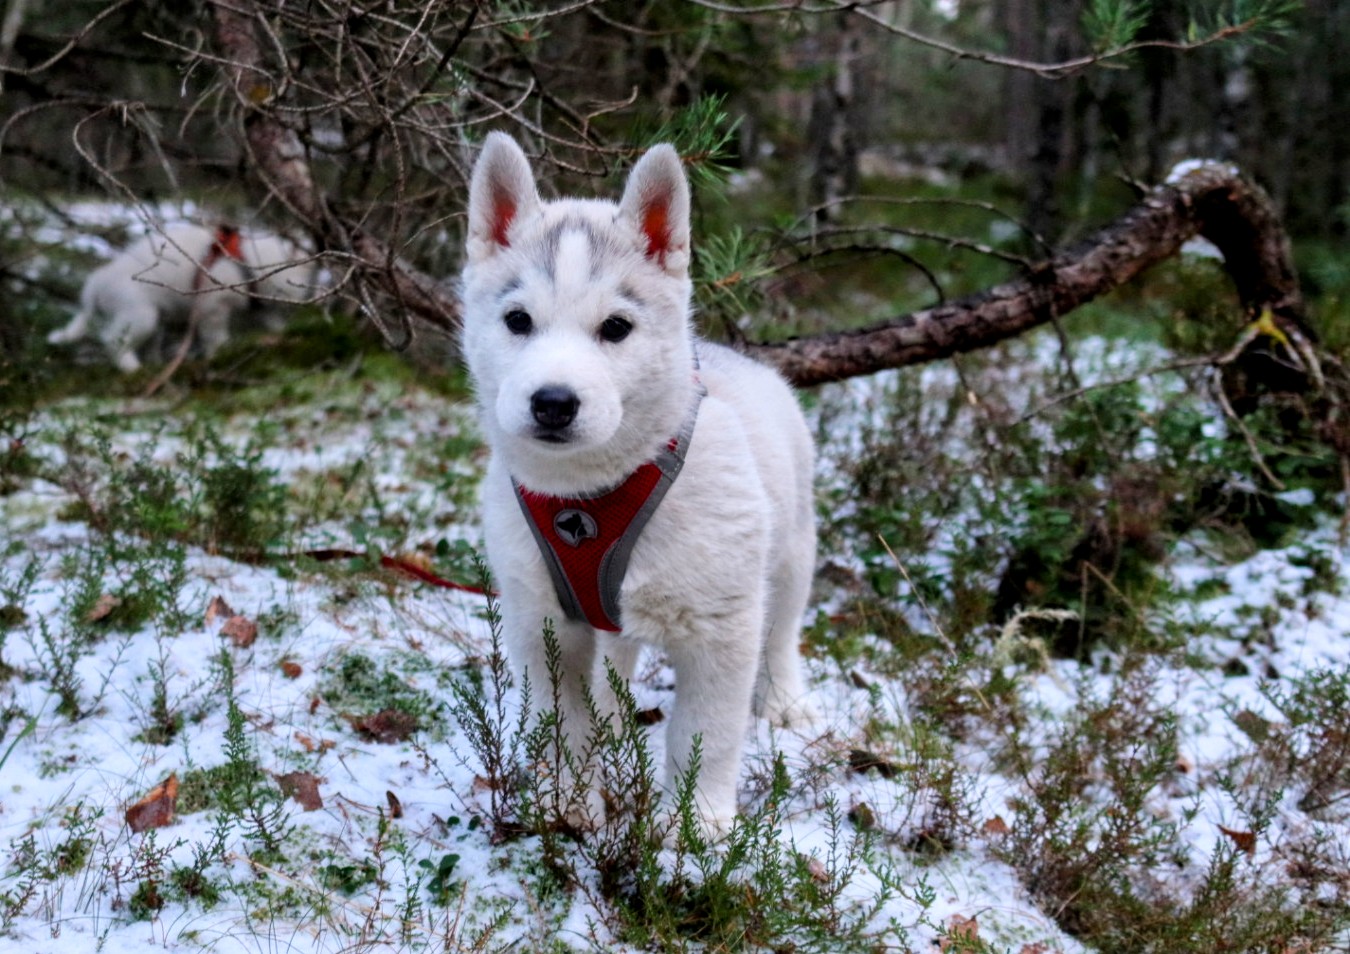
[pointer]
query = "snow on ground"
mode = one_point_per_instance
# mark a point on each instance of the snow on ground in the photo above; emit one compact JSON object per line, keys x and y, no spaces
{"x":62,"y":777}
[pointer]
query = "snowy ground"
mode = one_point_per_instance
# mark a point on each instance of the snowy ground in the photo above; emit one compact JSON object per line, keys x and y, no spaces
{"x":86,"y":773}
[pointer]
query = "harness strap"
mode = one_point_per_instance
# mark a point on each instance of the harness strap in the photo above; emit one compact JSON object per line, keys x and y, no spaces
{"x":227,"y":242}
{"x":586,"y":541}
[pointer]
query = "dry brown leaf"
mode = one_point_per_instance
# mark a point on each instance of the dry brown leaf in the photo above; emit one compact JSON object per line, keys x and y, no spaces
{"x":1039,"y":947}
{"x":303,"y":787}
{"x":863,"y":761}
{"x":651,"y":716}
{"x":388,"y":725}
{"x":960,"y":931}
{"x":1253,"y":726}
{"x":217,"y":609}
{"x":395,"y":806}
{"x":102,"y":608}
{"x":418,"y":560}
{"x":996,"y":826}
{"x":241,"y":631}
{"x":309,"y":745}
{"x":1245,"y":840}
{"x":291,"y":669}
{"x":156,"y":809}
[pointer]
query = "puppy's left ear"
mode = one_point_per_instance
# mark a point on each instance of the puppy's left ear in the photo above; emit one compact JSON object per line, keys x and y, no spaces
{"x":502,"y":195}
{"x":656,"y":203}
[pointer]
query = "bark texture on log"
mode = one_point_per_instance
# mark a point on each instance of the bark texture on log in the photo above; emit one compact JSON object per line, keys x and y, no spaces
{"x":1212,"y":200}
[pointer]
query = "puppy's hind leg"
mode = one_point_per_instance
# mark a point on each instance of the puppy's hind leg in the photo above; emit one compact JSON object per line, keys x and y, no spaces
{"x":75,"y":330}
{"x":126,"y":332}
{"x":780,"y":693}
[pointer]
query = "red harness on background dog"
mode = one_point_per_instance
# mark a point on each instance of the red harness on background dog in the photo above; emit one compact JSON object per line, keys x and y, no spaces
{"x":586,"y":541}
{"x":226,"y":243}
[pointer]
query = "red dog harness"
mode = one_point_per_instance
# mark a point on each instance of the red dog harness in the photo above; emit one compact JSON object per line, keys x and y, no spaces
{"x":586,"y":541}
{"x":225,"y":243}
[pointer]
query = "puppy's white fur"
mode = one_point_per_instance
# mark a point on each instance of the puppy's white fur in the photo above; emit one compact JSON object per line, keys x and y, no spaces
{"x":720,"y":577}
{"x":157,"y":281}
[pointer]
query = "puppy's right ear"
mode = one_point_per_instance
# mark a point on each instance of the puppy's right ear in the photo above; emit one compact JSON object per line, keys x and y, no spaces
{"x":501,"y":195}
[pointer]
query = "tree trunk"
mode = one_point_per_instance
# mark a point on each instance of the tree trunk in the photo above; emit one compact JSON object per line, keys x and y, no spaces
{"x":1019,"y":21}
{"x":1038,"y":109}
{"x":9,"y":32}
{"x":833,"y":128}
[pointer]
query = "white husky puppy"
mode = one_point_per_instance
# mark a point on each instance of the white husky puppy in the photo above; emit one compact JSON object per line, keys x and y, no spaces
{"x":591,"y":389}
{"x":162,"y":278}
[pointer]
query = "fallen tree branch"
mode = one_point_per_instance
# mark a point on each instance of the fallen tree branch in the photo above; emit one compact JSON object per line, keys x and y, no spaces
{"x":1211,"y":200}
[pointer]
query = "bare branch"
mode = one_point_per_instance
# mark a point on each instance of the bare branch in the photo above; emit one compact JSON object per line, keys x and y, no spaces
{"x":1054,"y":70}
{"x":279,"y":158}
{"x":386,"y":69}
{"x":69,"y":45}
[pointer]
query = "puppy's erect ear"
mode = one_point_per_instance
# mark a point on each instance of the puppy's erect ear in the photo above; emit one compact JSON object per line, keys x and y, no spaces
{"x":656,"y":203}
{"x":501,"y":194}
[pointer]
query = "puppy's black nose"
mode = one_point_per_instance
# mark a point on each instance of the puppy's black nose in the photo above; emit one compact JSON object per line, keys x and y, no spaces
{"x":554,"y":407}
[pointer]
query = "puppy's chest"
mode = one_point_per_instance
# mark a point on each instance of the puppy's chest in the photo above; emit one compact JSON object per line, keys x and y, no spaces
{"x":690,"y":563}
{"x":677,"y":598}
{"x":683,"y":560}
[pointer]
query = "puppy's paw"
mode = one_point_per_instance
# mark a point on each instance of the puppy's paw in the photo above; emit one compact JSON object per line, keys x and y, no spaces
{"x":586,"y":813}
{"x":709,"y":829}
{"x":789,"y":710}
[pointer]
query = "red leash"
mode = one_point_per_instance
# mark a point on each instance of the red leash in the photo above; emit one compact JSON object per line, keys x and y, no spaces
{"x":403,"y":566}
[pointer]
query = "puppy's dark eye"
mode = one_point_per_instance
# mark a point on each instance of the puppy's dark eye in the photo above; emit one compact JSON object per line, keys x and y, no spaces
{"x":518,"y":322}
{"x":615,"y":329}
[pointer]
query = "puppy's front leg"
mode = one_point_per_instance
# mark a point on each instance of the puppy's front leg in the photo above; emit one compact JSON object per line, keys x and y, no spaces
{"x":560,"y":688}
{"x":214,"y":310}
{"x":715,"y":672}
{"x":621,"y":655}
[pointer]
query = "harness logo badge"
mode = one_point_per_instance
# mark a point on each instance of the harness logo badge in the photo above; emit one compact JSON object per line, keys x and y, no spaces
{"x":575,"y":527}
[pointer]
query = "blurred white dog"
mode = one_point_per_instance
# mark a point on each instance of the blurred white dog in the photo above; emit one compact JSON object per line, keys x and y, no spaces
{"x":185,"y":276}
